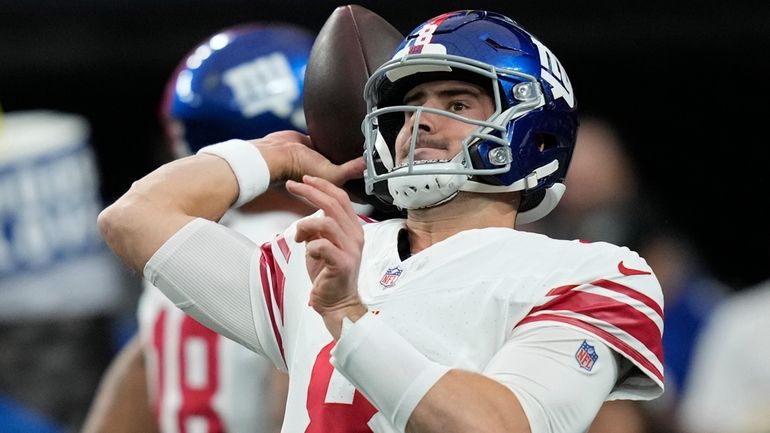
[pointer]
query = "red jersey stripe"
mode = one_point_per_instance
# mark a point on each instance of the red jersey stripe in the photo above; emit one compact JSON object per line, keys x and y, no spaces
{"x":631,"y":293}
{"x":561,"y":290}
{"x":283,"y":246}
{"x":612,"y":340}
{"x":265,"y":268}
{"x":158,"y":338}
{"x":366,"y":219}
{"x":618,"y":314}
{"x":279,"y":282}
{"x":276,"y":276}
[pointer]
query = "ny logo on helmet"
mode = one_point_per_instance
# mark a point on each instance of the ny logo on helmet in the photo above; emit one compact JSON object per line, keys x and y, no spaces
{"x":555,"y":75}
{"x":265,"y":84}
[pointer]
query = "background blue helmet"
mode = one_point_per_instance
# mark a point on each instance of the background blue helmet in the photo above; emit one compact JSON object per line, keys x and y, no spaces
{"x":526,"y":145}
{"x":243,"y":82}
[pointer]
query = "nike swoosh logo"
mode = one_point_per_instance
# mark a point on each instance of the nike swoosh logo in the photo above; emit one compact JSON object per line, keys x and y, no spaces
{"x":630,"y":271}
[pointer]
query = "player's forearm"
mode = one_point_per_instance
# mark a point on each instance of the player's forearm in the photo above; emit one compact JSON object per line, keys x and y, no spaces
{"x":462,"y":401}
{"x":121,"y":404}
{"x":204,"y":185}
{"x":426,"y":396}
{"x":159,"y":204}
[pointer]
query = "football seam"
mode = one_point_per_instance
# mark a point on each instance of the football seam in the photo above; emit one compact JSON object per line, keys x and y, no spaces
{"x":358,"y":38}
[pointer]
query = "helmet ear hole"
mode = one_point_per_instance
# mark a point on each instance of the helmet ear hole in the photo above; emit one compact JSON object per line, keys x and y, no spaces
{"x":525,"y":144}
{"x":545,"y":142}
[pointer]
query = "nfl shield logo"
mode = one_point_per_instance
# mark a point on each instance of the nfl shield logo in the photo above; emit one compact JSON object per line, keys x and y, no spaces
{"x":390,"y":277}
{"x":586,"y":356}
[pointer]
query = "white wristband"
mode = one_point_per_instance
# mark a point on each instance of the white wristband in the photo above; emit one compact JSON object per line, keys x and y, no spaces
{"x":391,"y":373}
{"x":247,"y":164}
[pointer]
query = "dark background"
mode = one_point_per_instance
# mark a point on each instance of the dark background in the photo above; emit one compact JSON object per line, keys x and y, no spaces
{"x":686,"y":84}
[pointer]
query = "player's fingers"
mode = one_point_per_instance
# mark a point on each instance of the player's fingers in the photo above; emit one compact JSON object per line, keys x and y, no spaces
{"x":310,"y":229}
{"x":327,"y":187}
{"x":325,"y":251}
{"x":334,"y":191}
{"x":353,"y":169}
{"x":328,"y":203}
{"x":328,"y":228}
{"x":336,"y":205}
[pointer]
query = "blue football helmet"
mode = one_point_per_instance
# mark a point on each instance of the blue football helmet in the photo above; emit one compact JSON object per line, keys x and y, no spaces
{"x":243,"y":82}
{"x":526,"y":145}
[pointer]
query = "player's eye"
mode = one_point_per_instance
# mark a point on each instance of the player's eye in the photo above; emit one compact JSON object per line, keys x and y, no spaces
{"x":458,"y":106}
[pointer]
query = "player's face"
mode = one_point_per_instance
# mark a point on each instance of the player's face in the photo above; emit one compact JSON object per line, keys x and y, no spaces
{"x":440,"y":137}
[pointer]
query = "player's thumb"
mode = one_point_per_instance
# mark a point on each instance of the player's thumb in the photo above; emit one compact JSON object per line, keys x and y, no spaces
{"x":353,"y":169}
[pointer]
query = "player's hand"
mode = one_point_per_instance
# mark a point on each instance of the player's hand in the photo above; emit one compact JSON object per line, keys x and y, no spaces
{"x":290,"y":155}
{"x":333,"y":243}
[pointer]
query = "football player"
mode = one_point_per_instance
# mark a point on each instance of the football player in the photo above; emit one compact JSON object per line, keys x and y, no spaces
{"x":449,"y":320}
{"x":244,"y":81}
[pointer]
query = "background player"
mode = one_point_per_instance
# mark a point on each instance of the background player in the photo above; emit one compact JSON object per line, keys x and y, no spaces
{"x":730,"y":363}
{"x":488,"y":328}
{"x":245,"y":81}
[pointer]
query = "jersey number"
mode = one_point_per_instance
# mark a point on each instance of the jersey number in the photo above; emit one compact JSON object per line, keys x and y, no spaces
{"x":198,"y":380}
{"x":334,"y":405}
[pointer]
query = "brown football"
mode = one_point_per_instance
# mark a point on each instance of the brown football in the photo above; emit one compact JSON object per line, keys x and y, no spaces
{"x":351,"y":45}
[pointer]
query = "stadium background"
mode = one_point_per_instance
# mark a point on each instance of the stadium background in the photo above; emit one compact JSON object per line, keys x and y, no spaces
{"x":684,"y":82}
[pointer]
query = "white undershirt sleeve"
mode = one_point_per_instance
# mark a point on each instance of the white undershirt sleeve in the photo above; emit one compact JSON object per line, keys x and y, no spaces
{"x":561,"y":376}
{"x":205,"y":270}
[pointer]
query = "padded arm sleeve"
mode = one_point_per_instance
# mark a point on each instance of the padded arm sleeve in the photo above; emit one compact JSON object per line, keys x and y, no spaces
{"x":206,"y":270}
{"x":561,"y":376}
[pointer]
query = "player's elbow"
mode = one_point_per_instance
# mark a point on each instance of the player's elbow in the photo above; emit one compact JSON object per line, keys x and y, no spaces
{"x":120,"y":224}
{"x":109,"y":223}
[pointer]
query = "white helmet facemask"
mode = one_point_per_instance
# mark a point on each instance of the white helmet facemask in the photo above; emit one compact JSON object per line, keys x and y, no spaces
{"x":416,"y":184}
{"x":525,"y":145}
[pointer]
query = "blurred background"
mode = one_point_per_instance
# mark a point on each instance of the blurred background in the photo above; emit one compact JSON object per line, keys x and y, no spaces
{"x":685,"y":82}
{"x":681,"y":86}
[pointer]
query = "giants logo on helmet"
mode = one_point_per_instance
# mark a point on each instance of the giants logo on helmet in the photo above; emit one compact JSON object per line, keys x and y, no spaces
{"x":264,"y":84}
{"x":555,"y":75}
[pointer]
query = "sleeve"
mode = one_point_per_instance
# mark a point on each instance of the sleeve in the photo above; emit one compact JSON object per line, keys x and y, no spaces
{"x":224,"y":281}
{"x":622,"y":308}
{"x":560,"y":376}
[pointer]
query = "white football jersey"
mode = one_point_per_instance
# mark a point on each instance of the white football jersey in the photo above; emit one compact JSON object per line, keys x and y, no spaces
{"x":200,"y":381}
{"x":457,"y":302}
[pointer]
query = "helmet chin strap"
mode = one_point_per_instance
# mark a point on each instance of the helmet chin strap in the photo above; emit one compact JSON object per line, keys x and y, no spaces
{"x":423,"y":188}
{"x":549,"y":202}
{"x":550,"y":199}
{"x":530,"y":181}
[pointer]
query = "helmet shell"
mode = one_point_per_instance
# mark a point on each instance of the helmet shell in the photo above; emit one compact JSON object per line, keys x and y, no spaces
{"x":243,"y":82}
